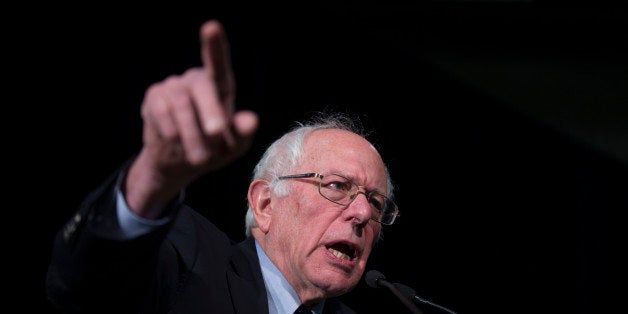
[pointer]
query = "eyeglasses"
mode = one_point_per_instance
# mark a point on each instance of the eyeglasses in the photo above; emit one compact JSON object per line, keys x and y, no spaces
{"x":342,"y":191}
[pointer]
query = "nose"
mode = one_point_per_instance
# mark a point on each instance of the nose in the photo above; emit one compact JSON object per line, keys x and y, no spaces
{"x":359,"y":208}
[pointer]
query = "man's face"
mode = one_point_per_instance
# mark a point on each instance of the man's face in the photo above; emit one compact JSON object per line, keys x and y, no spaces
{"x":320,"y":246}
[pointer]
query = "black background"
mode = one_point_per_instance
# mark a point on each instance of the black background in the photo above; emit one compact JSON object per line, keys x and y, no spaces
{"x":503,"y":125}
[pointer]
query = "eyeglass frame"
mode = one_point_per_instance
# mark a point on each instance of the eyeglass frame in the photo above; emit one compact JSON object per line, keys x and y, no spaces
{"x":396,"y":213}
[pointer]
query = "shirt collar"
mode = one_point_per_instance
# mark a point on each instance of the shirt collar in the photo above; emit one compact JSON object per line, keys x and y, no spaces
{"x":282,"y":298}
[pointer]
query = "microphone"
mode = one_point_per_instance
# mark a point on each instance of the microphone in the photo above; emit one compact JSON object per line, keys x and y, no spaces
{"x":375,"y":279}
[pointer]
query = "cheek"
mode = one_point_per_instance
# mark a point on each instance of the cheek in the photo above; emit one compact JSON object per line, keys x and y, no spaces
{"x":317,"y":215}
{"x":304,"y":216}
{"x":293,"y":215}
{"x":305,"y":207}
{"x":309,"y":218}
{"x":375,"y":229}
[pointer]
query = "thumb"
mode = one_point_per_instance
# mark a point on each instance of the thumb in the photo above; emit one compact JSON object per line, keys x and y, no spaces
{"x":245,"y":125}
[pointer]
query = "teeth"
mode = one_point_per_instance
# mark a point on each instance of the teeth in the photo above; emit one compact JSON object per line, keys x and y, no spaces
{"x":339,"y":254}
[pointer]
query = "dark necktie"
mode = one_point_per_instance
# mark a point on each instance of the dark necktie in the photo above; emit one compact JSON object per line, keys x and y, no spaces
{"x":303,"y":310}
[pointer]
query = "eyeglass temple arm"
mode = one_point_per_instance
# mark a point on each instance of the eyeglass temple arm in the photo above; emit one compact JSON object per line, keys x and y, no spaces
{"x":302,"y":175}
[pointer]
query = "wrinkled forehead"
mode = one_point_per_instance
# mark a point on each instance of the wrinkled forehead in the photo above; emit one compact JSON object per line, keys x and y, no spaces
{"x":346,"y":153}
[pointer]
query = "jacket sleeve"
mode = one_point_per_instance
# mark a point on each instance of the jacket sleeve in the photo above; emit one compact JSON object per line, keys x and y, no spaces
{"x":93,"y":270}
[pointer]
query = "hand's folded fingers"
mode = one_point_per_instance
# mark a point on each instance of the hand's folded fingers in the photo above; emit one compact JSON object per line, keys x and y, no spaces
{"x":159,"y":124}
{"x":172,"y":126}
{"x":192,"y":139}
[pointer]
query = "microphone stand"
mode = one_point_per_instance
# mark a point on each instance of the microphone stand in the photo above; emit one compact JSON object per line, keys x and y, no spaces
{"x":409,"y":293}
{"x":401,"y":297}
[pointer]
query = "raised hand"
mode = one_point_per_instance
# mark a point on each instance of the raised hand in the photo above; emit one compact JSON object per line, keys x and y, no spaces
{"x":190,"y":127}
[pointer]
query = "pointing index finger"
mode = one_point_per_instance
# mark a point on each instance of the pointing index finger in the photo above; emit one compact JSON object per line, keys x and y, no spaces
{"x":216,"y":61}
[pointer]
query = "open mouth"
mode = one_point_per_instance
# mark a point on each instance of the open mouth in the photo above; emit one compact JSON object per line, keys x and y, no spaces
{"x":344,"y":251}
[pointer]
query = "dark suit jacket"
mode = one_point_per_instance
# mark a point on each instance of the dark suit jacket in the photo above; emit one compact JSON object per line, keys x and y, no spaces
{"x":188,"y":266}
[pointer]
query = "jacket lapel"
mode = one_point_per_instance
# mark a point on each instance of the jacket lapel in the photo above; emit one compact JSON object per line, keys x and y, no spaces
{"x":245,"y":280}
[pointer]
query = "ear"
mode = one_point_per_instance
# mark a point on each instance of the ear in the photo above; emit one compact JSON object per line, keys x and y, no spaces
{"x":259,"y":200}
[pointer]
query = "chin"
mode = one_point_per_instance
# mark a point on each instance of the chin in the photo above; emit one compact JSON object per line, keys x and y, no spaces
{"x":335,"y":284}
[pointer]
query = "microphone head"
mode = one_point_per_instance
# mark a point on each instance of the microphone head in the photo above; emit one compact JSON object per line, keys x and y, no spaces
{"x":372,"y":277}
